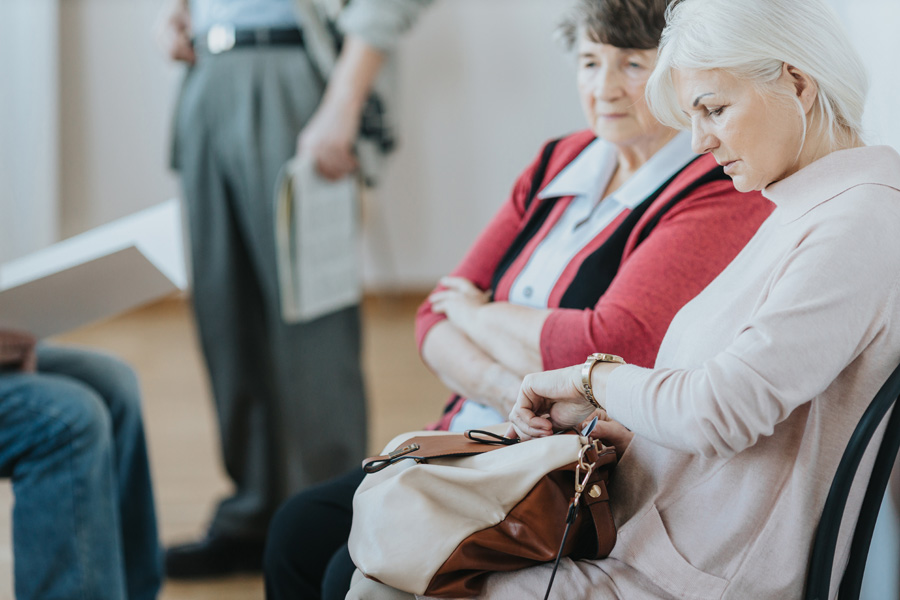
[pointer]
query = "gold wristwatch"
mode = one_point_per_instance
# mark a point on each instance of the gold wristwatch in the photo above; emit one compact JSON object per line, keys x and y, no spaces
{"x":592,"y":360}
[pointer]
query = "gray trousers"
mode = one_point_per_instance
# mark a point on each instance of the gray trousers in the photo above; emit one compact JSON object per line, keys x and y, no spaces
{"x":290,"y":398}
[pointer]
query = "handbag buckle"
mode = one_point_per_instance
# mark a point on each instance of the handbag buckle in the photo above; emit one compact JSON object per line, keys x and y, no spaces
{"x":588,"y":468}
{"x":220,"y":38}
{"x":581,"y":482}
{"x":403,"y":451}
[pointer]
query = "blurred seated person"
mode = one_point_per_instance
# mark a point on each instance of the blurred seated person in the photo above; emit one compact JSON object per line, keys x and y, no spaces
{"x":604,"y":238}
{"x":72,"y":443}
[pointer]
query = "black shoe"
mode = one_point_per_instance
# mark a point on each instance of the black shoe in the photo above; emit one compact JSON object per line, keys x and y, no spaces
{"x":214,"y":556}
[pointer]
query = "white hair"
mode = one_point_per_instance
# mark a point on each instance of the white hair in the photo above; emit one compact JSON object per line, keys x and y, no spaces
{"x":753,"y":39}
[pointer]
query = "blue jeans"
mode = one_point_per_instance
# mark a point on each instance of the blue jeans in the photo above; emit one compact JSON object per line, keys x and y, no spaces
{"x":72,"y":442}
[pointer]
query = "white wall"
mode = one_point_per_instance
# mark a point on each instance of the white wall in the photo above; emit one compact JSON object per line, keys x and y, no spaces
{"x":29,"y":126}
{"x":116,"y":95}
{"x":873,"y":27}
{"x":482,"y":85}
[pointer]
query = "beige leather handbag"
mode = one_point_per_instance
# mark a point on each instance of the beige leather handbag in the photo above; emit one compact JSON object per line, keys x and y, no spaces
{"x":439,"y":512}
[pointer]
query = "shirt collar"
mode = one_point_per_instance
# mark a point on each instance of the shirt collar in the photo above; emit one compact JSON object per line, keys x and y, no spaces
{"x":832,"y":175}
{"x":590,"y":172}
{"x":586,"y":175}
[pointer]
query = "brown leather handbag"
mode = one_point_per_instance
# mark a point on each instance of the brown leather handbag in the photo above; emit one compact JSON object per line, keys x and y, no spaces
{"x":440,"y":512}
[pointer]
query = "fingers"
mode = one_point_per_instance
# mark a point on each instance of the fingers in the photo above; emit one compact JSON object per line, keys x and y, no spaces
{"x":557,"y":393}
{"x":440,"y":301}
{"x":524,"y":419}
{"x":174,"y":35}
{"x":527,"y":425}
{"x":613,"y":433}
{"x":442,"y":296}
{"x":456,"y":294}
{"x":551,"y":400}
{"x":460,"y":284}
{"x":333,"y":160}
{"x":529,"y":416}
{"x":182,"y":50}
{"x":335,"y":164}
{"x":328,"y":138}
{"x":457,"y":284}
{"x":457,"y":306}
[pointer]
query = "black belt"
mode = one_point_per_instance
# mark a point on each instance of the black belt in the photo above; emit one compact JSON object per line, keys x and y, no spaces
{"x":221,"y":38}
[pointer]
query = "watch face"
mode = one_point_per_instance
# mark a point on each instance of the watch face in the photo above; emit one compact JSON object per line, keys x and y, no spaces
{"x":603,"y":357}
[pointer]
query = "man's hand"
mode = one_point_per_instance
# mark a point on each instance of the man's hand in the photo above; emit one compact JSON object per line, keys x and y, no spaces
{"x":174,"y":31}
{"x":328,"y":138}
{"x":331,"y":132}
{"x":18,"y":350}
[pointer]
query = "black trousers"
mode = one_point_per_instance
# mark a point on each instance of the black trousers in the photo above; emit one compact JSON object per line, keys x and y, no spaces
{"x":306,"y":550}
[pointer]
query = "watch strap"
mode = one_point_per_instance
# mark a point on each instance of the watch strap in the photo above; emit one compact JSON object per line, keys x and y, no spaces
{"x":586,"y":369}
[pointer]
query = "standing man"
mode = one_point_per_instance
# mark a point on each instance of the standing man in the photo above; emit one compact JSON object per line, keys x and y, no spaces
{"x":289,"y":397}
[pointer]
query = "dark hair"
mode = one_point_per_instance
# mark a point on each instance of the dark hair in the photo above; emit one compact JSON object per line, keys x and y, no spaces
{"x":620,"y":23}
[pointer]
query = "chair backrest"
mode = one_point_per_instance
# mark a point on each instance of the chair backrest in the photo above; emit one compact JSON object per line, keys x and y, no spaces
{"x":818,"y":578}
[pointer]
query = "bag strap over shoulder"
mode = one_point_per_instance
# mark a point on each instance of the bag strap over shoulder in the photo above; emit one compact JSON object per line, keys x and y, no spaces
{"x":593,"y":465}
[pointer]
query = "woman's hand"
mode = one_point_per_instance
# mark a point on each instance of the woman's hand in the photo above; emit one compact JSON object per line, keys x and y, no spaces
{"x":458,"y":301}
{"x":18,"y":350}
{"x":548,"y":401}
{"x":612,"y":433}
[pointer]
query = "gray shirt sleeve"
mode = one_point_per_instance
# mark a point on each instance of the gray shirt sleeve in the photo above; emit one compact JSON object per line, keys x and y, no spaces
{"x":380,"y":23}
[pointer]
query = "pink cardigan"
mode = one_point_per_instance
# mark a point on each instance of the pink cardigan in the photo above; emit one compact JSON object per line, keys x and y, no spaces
{"x":690,"y":246}
{"x":758,"y":385}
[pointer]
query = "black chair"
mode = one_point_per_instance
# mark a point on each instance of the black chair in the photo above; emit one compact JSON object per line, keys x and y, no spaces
{"x":818,"y":578}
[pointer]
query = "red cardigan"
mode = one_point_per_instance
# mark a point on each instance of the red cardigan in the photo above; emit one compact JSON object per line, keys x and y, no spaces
{"x":691,"y":243}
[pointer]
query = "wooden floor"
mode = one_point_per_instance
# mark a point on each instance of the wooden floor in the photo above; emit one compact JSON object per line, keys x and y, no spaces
{"x":159,"y":341}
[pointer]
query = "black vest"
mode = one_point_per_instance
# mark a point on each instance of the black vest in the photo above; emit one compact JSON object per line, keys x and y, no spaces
{"x":596,"y":273}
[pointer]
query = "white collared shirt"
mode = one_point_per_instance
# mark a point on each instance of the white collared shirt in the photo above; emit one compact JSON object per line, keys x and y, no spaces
{"x":586,"y":178}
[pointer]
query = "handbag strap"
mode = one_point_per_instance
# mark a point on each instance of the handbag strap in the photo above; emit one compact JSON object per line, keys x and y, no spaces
{"x":489,"y":437}
{"x":596,"y":491}
{"x":422,"y":448}
{"x":570,"y":518}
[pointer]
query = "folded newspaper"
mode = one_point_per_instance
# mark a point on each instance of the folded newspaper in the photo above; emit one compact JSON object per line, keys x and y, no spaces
{"x":317,"y":242}
{"x":95,"y":275}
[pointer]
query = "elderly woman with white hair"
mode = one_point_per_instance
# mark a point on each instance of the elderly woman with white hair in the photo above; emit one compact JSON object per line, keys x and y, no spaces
{"x":731,"y":441}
